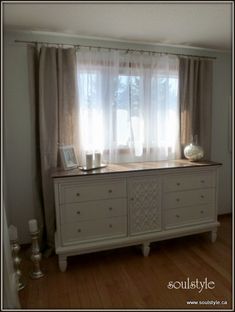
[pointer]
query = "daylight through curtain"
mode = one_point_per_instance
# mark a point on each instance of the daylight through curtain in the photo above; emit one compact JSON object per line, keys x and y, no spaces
{"x":129,"y":107}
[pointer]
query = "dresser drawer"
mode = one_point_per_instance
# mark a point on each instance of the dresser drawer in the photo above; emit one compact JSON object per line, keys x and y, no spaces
{"x":189,"y":198}
{"x":92,"y":210}
{"x":189,"y":215}
{"x":189,"y":181}
{"x":94,"y":230}
{"x":80,"y":192}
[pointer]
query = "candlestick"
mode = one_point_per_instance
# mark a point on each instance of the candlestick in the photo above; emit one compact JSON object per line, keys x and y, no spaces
{"x":15,"y":248}
{"x":33,"y":226}
{"x":13,"y":233}
{"x":36,"y":256}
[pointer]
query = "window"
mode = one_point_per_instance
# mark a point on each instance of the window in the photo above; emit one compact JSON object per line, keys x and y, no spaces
{"x":128,"y":105}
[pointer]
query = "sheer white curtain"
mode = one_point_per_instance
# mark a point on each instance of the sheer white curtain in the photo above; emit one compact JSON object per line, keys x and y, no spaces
{"x":129,"y":107}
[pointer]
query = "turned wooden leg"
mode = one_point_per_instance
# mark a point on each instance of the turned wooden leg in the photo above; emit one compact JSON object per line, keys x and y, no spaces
{"x":145,"y":249}
{"x":213,"y":235}
{"x":62,"y":263}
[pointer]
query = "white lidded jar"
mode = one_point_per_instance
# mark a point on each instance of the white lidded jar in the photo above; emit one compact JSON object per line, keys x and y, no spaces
{"x":193,"y":151}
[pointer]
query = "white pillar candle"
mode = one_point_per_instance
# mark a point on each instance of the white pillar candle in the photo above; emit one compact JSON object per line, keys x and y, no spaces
{"x":89,"y":160}
{"x":97,"y":161}
{"x":169,"y":152}
{"x":13,"y":233}
{"x":33,"y":226}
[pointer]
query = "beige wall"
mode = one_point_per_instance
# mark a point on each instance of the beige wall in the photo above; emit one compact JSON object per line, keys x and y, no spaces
{"x":20,"y":191}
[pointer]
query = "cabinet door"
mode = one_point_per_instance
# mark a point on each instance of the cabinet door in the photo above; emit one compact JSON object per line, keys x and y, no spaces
{"x":144,"y":196}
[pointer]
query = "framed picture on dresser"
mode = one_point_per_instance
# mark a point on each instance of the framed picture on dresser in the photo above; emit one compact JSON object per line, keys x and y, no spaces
{"x":68,"y":157}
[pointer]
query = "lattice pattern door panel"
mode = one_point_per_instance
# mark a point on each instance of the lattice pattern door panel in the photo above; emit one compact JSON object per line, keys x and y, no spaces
{"x":145,"y":204}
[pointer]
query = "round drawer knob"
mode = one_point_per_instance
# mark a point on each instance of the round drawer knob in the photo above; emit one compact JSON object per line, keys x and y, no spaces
{"x":202,"y":181}
{"x":177,"y":216}
{"x":178,"y":183}
{"x":202,"y":196}
{"x":110,"y":225}
{"x":177,"y":199}
{"x":79,"y":230}
{"x":201,"y":211}
{"x":78,"y":194}
{"x":110,"y":191}
{"x":78,"y":212}
{"x":110,"y":208}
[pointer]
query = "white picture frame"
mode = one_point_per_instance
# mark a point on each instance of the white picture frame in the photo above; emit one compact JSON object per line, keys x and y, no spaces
{"x":68,"y":157}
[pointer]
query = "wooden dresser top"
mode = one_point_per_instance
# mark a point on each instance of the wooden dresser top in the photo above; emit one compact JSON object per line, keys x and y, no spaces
{"x":137,"y":166}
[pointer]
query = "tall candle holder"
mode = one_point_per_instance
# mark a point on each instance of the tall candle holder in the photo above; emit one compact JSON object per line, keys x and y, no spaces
{"x":15,"y":247}
{"x":36,"y":256}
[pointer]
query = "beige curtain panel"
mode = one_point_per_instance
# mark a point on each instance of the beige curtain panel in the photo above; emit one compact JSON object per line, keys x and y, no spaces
{"x":37,"y":210}
{"x":195,"y":82}
{"x":56,"y":82}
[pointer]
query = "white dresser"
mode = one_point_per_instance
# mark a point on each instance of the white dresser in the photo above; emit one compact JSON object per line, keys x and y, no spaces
{"x":133,"y":204}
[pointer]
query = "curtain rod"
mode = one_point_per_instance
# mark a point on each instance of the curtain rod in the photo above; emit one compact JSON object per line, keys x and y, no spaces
{"x":116,"y":49}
